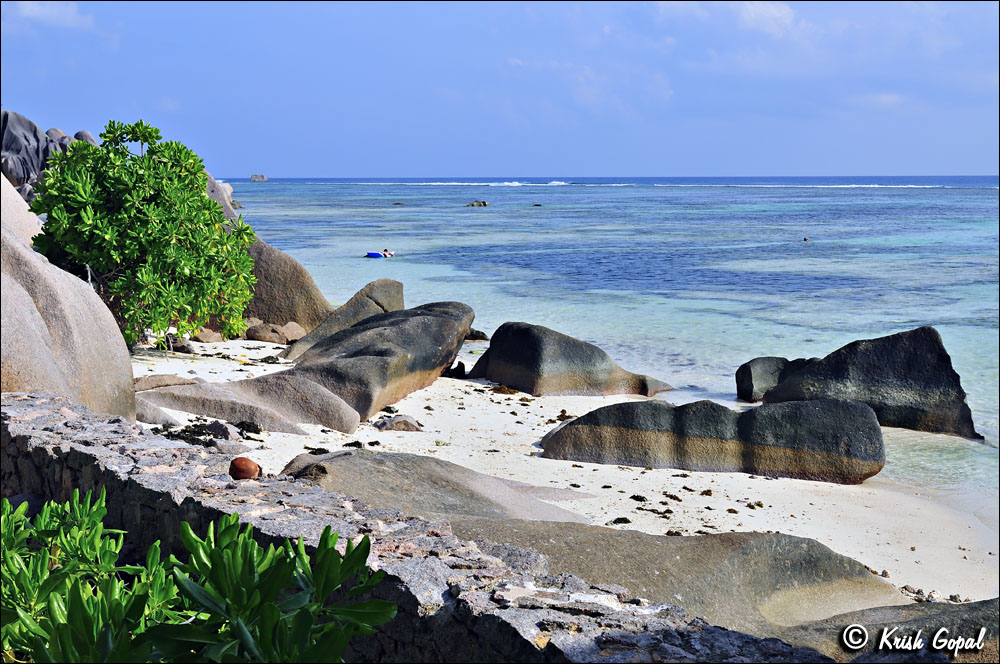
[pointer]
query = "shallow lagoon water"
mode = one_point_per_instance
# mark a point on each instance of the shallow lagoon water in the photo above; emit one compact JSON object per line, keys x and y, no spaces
{"x":682,"y":279}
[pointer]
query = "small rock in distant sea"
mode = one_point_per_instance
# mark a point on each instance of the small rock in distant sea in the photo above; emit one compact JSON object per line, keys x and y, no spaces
{"x":258,"y":177}
{"x":477,"y":204}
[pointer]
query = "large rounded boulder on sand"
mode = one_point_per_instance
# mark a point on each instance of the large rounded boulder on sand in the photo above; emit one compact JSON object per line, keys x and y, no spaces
{"x":422,"y":486}
{"x":385,"y":357}
{"x":541,"y":361}
{"x":57,"y":334}
{"x":284,"y":290}
{"x":379,"y":297}
{"x":907,"y":378}
{"x":826,"y":440}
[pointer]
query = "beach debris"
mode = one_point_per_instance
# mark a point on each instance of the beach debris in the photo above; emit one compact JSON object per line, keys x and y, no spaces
{"x":621,"y":520}
{"x":242,"y":468}
{"x":316,"y":450}
{"x":442,"y":443}
{"x":457,"y":371}
{"x":637,"y":498}
{"x":673,"y":533}
{"x":706,"y":492}
{"x":357,"y":444}
{"x":503,"y":389}
{"x":563,"y":416}
{"x":398,"y":423}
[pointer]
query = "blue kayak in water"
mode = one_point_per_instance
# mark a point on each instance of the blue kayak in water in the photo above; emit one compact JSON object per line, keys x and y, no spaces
{"x":374,"y":254}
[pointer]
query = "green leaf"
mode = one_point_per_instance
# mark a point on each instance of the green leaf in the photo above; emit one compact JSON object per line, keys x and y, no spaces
{"x":199,"y":595}
{"x":372,"y":612}
{"x":247,"y":640}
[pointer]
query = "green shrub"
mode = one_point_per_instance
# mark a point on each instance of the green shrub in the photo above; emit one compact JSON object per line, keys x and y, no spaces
{"x":66,"y":599}
{"x":141,"y":228}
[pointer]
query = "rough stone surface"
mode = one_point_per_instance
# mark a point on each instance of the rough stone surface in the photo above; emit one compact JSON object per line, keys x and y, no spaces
{"x":84,"y":135}
{"x":827,"y":440}
{"x":541,"y":361}
{"x":476,"y":335}
{"x":421,"y":485}
{"x":455,"y":602}
{"x":760,"y":374}
{"x":907,"y":379}
{"x":378,"y":297}
{"x":284,"y":290}
{"x":57,"y":334}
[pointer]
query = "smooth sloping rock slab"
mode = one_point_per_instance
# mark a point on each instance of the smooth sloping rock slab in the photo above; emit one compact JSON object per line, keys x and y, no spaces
{"x":57,"y":334}
{"x":346,"y":378}
{"x":735,"y":580}
{"x":378,"y":297}
{"x":385,"y":357}
{"x":284,"y":290}
{"x":827,"y":440}
{"x":422,"y":486}
{"x":760,"y":374}
{"x":540,"y":361}
{"x":907,"y":379}
{"x":275,"y":402}
{"x":966,"y":620}
{"x":16,"y":215}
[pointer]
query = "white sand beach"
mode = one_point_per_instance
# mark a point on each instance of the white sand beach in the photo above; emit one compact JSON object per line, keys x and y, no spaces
{"x":927,"y":540}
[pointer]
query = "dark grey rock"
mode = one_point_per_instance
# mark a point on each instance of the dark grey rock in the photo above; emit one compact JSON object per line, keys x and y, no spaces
{"x":378,"y":297}
{"x":907,"y":379}
{"x":26,"y":149}
{"x":284,"y":290}
{"x":826,"y":440}
{"x":258,"y":177}
{"x":84,"y":135}
{"x":760,"y":374}
{"x":538,"y":360}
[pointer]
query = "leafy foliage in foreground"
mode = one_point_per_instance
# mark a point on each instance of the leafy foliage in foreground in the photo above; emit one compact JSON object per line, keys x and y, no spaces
{"x":143,"y":230}
{"x":65,"y":598}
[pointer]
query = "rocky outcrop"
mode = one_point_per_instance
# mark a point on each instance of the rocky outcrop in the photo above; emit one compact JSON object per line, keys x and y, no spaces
{"x":378,"y":297}
{"x":341,"y":380}
{"x":221,"y":193}
{"x":26,"y":148}
{"x":266,"y":332}
{"x":456,"y":602}
{"x":826,"y":440}
{"x":284,"y":290}
{"x":477,"y":204}
{"x":422,"y":486}
{"x":760,"y":374}
{"x":259,"y":177}
{"x":84,"y":135}
{"x":907,"y":379}
{"x":541,"y":361}
{"x":57,"y":334}
{"x":383,"y":358}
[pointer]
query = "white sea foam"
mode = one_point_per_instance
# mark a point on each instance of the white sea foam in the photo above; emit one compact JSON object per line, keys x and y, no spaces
{"x":813,"y":186}
{"x":513,"y":183}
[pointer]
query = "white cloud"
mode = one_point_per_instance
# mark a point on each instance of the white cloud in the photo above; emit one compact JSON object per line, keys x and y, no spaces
{"x":57,"y":14}
{"x":774,"y":18}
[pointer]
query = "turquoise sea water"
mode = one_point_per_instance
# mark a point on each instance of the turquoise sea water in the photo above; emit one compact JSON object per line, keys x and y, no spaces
{"x":681,"y":278}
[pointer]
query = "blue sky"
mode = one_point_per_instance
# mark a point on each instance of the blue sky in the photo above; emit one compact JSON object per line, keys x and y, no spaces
{"x":594,"y":89}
